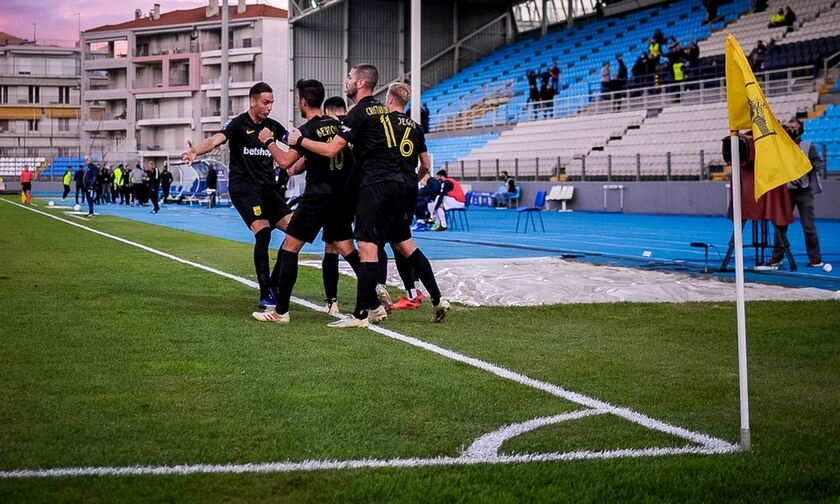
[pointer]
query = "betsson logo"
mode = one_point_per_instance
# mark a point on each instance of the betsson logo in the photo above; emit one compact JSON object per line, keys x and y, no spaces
{"x":256,"y":151}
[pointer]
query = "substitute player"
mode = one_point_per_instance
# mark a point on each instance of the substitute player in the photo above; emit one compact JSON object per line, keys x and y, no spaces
{"x":317,"y":208}
{"x":380,"y":209}
{"x":251,"y":183}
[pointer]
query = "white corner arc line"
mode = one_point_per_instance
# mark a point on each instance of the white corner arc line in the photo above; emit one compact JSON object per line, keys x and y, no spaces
{"x":709,"y":444}
{"x":489,"y":444}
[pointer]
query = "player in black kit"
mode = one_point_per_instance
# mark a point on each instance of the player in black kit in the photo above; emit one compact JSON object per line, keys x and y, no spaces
{"x":318,"y":207}
{"x":412,"y":147}
{"x":251,"y":183}
{"x":380,"y":209}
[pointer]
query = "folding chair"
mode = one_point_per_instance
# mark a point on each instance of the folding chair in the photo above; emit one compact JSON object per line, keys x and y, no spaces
{"x":539,"y":203}
{"x":457,"y":217}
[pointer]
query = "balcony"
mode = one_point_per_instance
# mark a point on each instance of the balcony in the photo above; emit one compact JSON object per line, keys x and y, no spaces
{"x":106,"y":125}
{"x":102,"y":61}
{"x":42,"y":69}
{"x":105,"y":94}
{"x":167,"y":121}
{"x":213,"y":87}
{"x":164,"y":50}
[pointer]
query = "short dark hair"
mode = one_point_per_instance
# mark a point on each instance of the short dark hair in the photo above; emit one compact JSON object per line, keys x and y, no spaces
{"x":258,"y":89}
{"x":335,"y":103}
{"x":441,"y":172}
{"x":369,"y":73}
{"x":311,"y":91}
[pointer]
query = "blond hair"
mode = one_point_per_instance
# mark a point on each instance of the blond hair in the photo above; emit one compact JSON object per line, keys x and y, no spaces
{"x":400,"y":92}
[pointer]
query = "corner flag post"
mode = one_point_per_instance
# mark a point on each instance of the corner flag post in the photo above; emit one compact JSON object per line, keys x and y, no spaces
{"x":740,"y":303}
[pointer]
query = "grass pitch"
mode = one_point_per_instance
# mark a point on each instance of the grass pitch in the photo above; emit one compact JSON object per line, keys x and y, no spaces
{"x":113,"y":356}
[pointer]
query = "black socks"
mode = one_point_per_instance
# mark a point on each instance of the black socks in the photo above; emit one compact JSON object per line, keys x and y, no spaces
{"x":421,"y":265}
{"x":366,"y":289}
{"x":329,"y":270}
{"x":261,"y":240}
{"x":288,"y":277}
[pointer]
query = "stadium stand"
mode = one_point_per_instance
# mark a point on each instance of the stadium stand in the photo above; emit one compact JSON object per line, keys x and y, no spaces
{"x":823,"y":131}
{"x":447,"y":149}
{"x":579,"y":53}
{"x":752,"y":27}
{"x":12,"y":166}
{"x":533,"y":147}
{"x":60,"y":164}
{"x":682,"y":131}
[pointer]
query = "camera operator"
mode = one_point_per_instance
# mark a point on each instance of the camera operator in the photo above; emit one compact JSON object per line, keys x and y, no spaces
{"x":802,"y":193}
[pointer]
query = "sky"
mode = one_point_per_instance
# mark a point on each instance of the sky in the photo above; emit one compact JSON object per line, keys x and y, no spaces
{"x":58,"y":20}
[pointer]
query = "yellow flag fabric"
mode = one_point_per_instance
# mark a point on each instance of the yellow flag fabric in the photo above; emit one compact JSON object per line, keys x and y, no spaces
{"x":778,"y":160}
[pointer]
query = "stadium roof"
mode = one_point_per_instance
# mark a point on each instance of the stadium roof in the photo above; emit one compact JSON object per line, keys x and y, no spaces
{"x":197,"y":15}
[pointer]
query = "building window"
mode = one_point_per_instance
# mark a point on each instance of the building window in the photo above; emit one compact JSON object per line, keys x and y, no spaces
{"x":4,"y":94}
{"x":4,"y":125}
{"x":64,"y":94}
{"x":34,"y":94}
{"x":32,"y":124}
{"x":63,"y":124}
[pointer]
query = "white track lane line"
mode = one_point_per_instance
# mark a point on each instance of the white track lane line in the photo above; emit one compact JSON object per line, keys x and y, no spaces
{"x":709,"y":444}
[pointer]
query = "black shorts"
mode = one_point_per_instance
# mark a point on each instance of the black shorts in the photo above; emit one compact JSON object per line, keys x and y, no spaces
{"x":26,"y":186}
{"x":402,"y":231}
{"x":380,"y":213}
{"x":339,"y":227}
{"x":311,"y":214}
{"x":254,"y":206}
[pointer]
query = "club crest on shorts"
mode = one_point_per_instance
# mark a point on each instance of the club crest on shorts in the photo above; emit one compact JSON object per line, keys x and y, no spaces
{"x":257,"y":211}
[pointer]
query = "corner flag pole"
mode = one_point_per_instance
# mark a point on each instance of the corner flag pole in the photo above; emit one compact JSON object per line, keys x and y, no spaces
{"x":746,"y":444}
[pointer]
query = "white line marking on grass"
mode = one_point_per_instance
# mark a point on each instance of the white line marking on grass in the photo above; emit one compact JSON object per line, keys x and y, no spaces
{"x":321,"y":465}
{"x":488,"y":445}
{"x":709,"y":444}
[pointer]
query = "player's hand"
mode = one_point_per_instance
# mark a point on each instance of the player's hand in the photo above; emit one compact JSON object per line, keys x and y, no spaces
{"x":294,"y":136}
{"x":189,"y":155}
{"x":264,"y":135}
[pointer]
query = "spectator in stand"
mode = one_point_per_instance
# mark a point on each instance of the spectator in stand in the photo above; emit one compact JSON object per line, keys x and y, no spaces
{"x":424,"y":117}
{"x":760,"y":6}
{"x":693,"y":55}
{"x":606,"y":78}
{"x":547,"y":100}
{"x":68,"y":176}
{"x":599,"y":10}
{"x":555,"y":77}
{"x":659,"y":37}
{"x":756,"y":56}
{"x":711,"y":10}
{"x":505,"y":191}
{"x":640,"y":67}
{"x":545,"y":76}
{"x":777,"y":19}
{"x":534,"y":99}
{"x":451,"y":196}
{"x":166,"y":182}
{"x":532,"y":78}
{"x":790,"y":17}
{"x":79,"y":180}
{"x":654,"y":52}
{"x":621,"y":75}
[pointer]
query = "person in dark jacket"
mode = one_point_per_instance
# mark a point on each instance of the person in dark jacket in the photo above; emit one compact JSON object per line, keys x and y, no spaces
{"x":79,"y":180}
{"x":90,"y":179}
{"x":165,"y":182}
{"x":153,"y":177}
{"x":212,"y":185}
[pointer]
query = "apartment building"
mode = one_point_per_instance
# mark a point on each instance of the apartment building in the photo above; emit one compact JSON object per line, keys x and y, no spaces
{"x":39,"y":103}
{"x":152,"y":83}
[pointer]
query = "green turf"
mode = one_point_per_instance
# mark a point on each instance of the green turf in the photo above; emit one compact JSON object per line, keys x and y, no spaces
{"x":110,"y":355}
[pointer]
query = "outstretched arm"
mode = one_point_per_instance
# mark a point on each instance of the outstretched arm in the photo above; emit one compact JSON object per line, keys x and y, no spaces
{"x":204,"y":147}
{"x":321,"y":148}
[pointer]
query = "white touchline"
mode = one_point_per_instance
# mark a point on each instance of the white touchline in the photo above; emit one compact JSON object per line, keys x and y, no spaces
{"x":709,"y":444}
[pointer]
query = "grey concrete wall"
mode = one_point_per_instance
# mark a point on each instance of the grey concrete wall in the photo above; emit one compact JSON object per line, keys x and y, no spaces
{"x":681,"y":198}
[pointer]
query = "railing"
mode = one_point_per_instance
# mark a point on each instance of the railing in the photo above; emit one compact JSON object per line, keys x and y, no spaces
{"x":40,"y":69}
{"x":165,"y":49}
{"x":92,"y":56}
{"x":233,"y":43}
{"x":773,"y":83}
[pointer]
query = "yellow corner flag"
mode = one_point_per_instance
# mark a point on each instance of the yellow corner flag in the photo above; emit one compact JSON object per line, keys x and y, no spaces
{"x":778,"y":160}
